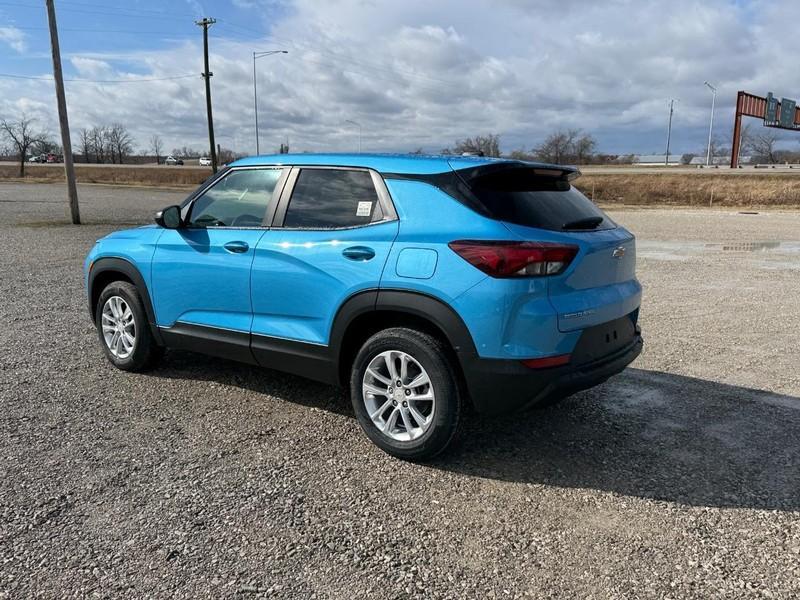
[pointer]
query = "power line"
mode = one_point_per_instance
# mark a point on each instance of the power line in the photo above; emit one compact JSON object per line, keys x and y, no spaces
{"x":104,"y":10}
{"x":82,"y":30}
{"x":143,"y":80}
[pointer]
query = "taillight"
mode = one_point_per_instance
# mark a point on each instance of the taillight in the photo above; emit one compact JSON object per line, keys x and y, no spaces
{"x":515,"y":259}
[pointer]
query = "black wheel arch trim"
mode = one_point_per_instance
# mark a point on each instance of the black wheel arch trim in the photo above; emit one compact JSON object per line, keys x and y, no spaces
{"x":432,"y":309}
{"x":127,"y":268}
{"x":418,"y":304}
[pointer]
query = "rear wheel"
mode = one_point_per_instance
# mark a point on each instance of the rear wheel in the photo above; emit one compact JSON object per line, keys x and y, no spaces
{"x":404,"y":393}
{"x":123,"y":328}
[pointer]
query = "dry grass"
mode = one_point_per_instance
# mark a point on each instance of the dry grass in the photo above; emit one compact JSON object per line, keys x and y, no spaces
{"x":692,"y":189}
{"x":162,"y":176}
{"x":642,"y":189}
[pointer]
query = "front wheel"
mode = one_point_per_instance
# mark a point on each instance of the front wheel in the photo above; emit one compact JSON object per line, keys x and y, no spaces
{"x":404,"y":393}
{"x":123,"y":328}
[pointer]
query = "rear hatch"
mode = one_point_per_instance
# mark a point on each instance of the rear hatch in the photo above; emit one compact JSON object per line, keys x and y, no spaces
{"x":539,"y":204}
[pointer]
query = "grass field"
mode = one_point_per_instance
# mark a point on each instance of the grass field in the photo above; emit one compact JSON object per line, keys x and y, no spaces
{"x":158,"y":176}
{"x":679,"y":189}
{"x":609,"y":188}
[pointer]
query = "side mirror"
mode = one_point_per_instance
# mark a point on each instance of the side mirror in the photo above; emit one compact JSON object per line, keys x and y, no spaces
{"x":170,"y":217}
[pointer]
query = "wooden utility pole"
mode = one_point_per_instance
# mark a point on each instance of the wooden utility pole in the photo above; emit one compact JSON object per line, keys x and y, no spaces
{"x":205,"y":23}
{"x":66,"y":143}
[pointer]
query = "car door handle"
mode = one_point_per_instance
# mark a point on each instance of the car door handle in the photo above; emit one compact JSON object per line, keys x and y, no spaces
{"x":237,"y":247}
{"x":361,"y":253}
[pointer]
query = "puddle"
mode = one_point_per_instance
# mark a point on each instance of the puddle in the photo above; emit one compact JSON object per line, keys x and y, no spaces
{"x":674,"y":250}
{"x":764,"y":246}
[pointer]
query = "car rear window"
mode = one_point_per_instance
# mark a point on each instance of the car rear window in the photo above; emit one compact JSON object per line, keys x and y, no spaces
{"x":533,"y":198}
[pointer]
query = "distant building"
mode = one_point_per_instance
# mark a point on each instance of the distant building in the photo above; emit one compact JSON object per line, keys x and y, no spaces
{"x":656,"y":160}
{"x":720,"y":160}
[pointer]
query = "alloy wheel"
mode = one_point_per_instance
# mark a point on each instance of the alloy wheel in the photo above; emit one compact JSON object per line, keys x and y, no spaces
{"x":398,"y":395}
{"x":119,"y":327}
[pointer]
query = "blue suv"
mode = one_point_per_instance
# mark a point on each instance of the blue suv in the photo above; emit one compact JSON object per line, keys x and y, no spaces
{"x":423,"y":284}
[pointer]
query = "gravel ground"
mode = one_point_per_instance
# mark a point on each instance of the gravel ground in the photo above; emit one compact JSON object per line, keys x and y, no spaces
{"x":204,"y":478}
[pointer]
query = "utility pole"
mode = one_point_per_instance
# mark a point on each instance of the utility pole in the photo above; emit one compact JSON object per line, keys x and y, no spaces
{"x":207,"y":76}
{"x":669,"y":131}
{"x":711,"y":124}
{"x":61,"y":98}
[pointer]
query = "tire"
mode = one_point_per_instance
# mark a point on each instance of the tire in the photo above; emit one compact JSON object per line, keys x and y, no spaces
{"x":421,"y":428}
{"x":116,"y":299}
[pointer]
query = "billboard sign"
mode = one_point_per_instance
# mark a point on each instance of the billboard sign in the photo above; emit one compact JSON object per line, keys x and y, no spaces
{"x":771,"y":113}
{"x":787,"y":113}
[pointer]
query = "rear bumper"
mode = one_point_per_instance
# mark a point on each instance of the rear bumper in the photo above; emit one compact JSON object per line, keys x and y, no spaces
{"x":501,"y":386}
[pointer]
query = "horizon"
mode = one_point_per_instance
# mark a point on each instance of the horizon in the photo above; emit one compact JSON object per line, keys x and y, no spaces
{"x":439,"y":74}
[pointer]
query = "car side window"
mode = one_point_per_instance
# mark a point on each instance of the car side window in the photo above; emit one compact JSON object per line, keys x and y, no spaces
{"x":238,"y":200}
{"x":331,"y":199}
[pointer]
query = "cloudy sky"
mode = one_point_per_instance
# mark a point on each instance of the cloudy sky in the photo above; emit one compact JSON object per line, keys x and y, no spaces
{"x":414,"y":73}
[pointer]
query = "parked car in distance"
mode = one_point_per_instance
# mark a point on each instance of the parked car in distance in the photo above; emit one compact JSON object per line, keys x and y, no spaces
{"x":38,"y":158}
{"x":205,"y":161}
{"x":171,"y":160}
{"x":421,"y":284}
{"x":53,"y":158}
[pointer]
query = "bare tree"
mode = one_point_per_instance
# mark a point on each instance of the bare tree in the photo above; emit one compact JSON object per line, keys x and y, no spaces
{"x":120,"y":142}
{"x":46,"y":145}
{"x":584,"y":147}
{"x":157,"y":146}
{"x":482,"y":145}
{"x":557,"y":147}
{"x":85,"y":143}
{"x":570,"y":146}
{"x":98,"y":137}
{"x":21,"y":137}
{"x":763,"y":145}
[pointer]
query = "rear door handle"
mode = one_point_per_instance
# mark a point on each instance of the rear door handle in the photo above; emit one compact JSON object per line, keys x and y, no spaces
{"x":359,"y":253}
{"x":237,"y":247}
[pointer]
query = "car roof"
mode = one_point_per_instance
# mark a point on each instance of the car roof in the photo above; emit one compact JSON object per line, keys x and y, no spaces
{"x":401,"y":164}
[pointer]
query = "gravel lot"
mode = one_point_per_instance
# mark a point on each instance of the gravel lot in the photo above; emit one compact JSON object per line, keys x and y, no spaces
{"x":678,"y":478}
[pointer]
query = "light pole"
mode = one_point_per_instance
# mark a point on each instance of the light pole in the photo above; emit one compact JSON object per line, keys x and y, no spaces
{"x":359,"y":132}
{"x":669,"y":130}
{"x":711,"y":124}
{"x":255,"y":88}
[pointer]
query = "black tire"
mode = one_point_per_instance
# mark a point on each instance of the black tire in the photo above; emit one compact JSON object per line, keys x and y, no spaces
{"x":433,"y":356}
{"x":146,"y":351}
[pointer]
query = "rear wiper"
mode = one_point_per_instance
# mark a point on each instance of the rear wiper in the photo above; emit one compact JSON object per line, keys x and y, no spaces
{"x":587,"y":223}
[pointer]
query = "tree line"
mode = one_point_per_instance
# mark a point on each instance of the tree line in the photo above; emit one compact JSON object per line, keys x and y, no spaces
{"x":103,"y":144}
{"x":570,"y":146}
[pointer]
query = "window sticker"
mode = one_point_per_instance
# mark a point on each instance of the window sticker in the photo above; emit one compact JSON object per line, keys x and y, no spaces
{"x":364,"y":209}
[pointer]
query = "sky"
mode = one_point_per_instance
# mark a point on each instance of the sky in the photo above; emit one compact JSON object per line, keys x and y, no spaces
{"x":412,"y":73}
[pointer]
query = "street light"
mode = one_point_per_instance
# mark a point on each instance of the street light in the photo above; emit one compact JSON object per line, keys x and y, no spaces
{"x":359,"y":132}
{"x":255,"y":89}
{"x":711,"y":125}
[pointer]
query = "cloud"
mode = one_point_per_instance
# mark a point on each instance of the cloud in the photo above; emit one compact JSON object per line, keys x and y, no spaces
{"x":422,"y":74}
{"x":13,"y":37}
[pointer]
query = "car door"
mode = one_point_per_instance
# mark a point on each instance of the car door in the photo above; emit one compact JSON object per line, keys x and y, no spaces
{"x":201,"y":271}
{"x":332,"y":234}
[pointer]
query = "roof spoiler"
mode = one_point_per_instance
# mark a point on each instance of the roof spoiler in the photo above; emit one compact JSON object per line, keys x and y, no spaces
{"x":562,"y":172}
